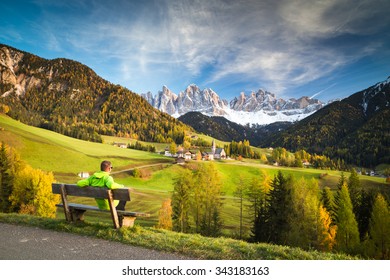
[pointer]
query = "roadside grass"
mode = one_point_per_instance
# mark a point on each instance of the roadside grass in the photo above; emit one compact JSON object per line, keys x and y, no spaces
{"x":192,"y":245}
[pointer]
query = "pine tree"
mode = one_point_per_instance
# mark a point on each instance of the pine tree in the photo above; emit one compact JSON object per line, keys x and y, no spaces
{"x":257,"y":191}
{"x":347,"y":228}
{"x":365,"y":210}
{"x":181,"y":201}
{"x":380,"y":227}
{"x":279,"y":209}
{"x":342,"y":181}
{"x":355,"y":192}
{"x":258,"y":196}
{"x":260,"y":229}
{"x":328,"y":201}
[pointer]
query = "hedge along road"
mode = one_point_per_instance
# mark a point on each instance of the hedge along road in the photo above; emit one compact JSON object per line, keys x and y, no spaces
{"x":31,"y":243}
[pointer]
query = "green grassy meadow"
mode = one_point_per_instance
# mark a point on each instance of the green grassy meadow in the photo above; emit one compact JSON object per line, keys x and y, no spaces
{"x":66,"y":157}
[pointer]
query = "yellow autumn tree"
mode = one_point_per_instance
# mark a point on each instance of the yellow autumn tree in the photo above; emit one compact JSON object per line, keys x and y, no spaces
{"x":326,"y":234}
{"x":165,"y":215}
{"x":32,"y":193}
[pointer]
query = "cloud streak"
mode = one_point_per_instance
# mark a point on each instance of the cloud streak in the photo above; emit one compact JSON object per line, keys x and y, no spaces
{"x":276,"y":44}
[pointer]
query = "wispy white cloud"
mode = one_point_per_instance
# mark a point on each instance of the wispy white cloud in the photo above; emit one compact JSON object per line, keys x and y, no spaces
{"x":322,"y":91}
{"x":278,"y":44}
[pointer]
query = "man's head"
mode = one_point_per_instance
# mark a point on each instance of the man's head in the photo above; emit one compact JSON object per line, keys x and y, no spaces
{"x":106,"y":166}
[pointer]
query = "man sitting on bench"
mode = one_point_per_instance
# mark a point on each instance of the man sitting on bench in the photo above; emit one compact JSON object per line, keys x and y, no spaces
{"x":102,"y":179}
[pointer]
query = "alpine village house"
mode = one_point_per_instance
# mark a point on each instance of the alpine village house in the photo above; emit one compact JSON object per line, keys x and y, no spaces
{"x":183,"y":156}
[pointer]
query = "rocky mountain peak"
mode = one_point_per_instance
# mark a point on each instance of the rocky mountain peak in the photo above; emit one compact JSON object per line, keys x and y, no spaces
{"x":261,"y":103}
{"x":191,"y":99}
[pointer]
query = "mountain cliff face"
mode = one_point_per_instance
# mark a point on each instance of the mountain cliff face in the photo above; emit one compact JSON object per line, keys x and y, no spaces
{"x":192,"y":99}
{"x":264,"y":100}
{"x":70,"y":98}
{"x":261,"y":107}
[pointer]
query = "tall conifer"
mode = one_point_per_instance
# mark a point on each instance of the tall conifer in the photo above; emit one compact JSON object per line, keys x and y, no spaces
{"x":328,"y":201}
{"x":347,"y":228}
{"x":181,"y":201}
{"x":380,"y":227}
{"x":279,"y":209}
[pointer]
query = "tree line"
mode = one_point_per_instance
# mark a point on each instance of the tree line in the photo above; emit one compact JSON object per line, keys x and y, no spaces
{"x":196,"y":201}
{"x":297,"y":159}
{"x":285,"y":210}
{"x":296,"y":212}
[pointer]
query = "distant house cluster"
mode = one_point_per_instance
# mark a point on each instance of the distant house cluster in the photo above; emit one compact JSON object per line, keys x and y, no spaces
{"x":186,"y":155}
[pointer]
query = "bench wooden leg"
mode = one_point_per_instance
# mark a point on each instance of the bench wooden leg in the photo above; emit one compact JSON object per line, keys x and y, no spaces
{"x":126,"y":221}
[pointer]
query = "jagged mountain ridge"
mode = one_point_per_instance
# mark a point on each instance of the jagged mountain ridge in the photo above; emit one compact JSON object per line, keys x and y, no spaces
{"x":192,"y":99}
{"x":261,"y":107}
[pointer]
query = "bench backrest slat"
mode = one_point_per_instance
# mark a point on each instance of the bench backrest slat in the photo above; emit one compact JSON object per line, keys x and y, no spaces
{"x":94,"y":192}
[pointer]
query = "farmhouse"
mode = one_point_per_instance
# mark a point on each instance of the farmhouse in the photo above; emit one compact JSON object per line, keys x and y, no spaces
{"x":180,"y":160}
{"x":207,"y":156}
{"x":83,"y":174}
{"x":167,"y":153}
{"x":120,"y":145}
{"x":189,"y":155}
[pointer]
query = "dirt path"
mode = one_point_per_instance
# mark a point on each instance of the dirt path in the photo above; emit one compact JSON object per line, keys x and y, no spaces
{"x":139,"y":167}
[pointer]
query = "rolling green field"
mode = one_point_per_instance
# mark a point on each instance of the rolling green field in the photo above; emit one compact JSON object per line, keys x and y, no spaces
{"x":66,"y":157}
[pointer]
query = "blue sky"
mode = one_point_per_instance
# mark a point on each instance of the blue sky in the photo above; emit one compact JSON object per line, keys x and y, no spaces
{"x":327,"y":49}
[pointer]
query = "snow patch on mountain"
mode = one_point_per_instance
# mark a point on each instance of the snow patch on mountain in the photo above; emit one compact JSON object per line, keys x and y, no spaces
{"x":261,"y":107}
{"x":263,"y":117}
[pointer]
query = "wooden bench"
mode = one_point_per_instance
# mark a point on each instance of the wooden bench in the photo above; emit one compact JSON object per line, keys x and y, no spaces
{"x":75,"y":212}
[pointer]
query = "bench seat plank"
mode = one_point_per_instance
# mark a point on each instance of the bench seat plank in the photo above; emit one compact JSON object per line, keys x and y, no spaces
{"x":95,"y":208}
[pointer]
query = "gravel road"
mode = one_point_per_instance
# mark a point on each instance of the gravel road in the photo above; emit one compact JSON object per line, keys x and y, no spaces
{"x":31,"y":243}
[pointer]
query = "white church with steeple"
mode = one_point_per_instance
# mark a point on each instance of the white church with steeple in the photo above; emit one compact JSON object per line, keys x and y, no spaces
{"x":217,"y":153}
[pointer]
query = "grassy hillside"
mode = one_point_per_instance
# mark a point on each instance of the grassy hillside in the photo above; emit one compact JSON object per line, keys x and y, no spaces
{"x":67,"y":156}
{"x":64,"y":155}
